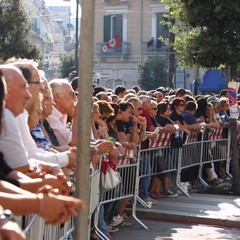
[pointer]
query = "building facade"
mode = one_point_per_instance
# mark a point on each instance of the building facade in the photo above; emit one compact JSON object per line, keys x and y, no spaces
{"x":126,"y":32}
{"x":51,"y":31}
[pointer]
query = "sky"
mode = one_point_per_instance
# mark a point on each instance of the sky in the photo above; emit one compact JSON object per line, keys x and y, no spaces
{"x":71,"y":3}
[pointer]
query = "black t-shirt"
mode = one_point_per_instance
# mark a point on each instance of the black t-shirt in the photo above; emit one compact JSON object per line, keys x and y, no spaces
{"x":154,"y":121}
{"x":162,"y":121}
{"x":174,"y":116}
{"x":121,"y":127}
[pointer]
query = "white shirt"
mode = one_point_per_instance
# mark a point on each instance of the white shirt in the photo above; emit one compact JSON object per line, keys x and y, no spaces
{"x":58,"y":123}
{"x":33,"y":151}
{"x":11,"y":144}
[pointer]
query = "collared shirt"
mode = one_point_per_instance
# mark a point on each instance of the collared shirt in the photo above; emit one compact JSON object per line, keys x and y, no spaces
{"x":58,"y":123}
{"x":60,"y":158}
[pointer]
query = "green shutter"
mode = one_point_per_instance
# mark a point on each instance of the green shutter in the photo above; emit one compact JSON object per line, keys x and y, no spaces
{"x":118,"y":27}
{"x":106,"y":28}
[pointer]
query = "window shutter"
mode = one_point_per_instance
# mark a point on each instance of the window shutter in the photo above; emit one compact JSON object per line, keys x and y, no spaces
{"x":118,"y":27}
{"x":106,"y":28}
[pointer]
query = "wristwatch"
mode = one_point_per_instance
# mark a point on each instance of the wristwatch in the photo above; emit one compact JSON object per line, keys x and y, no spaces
{"x":7,"y":215}
{"x":96,"y":150}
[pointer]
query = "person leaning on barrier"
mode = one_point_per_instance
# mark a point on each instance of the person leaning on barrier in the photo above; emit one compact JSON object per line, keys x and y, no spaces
{"x":47,"y":203}
{"x":52,"y":207}
{"x":20,"y":179}
{"x":17,"y":97}
{"x":42,"y":132}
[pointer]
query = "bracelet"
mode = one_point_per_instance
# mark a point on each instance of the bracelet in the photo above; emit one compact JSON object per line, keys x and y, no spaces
{"x":40,"y":204}
{"x":7,"y":215}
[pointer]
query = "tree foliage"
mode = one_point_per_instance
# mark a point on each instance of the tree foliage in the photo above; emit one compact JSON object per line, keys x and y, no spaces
{"x":14,"y":29}
{"x":67,"y":63}
{"x":208,"y":34}
{"x":153,"y":73}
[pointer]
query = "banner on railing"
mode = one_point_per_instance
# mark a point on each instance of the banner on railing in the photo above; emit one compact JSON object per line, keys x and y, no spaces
{"x":215,"y":134}
{"x":162,"y":140}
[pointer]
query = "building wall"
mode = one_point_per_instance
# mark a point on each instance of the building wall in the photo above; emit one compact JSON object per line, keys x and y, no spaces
{"x":138,"y":29}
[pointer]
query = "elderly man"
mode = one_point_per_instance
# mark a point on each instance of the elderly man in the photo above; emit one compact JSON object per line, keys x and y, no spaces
{"x":17,"y":97}
{"x":64,"y":99}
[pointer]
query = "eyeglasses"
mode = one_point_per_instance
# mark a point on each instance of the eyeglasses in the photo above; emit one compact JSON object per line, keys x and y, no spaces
{"x":37,"y":82}
{"x":74,"y":94}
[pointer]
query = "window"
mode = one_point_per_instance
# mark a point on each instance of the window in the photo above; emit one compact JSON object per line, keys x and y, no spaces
{"x":113,"y":27}
{"x":158,"y":29}
{"x":162,"y":30}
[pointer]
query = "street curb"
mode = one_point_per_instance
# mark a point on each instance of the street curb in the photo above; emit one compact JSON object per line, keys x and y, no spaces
{"x":186,"y":218}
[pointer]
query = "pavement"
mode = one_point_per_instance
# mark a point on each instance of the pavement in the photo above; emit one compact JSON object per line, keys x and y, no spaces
{"x":202,"y":216}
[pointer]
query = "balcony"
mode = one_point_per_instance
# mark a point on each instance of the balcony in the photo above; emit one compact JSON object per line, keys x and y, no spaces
{"x":154,"y":49}
{"x":122,"y":50}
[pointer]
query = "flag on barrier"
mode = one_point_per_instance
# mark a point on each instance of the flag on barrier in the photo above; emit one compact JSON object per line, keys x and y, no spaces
{"x":192,"y":138}
{"x":215,"y":134}
{"x":162,"y":140}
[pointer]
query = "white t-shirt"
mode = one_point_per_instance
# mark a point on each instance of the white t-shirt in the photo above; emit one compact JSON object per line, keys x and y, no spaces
{"x":11,"y":144}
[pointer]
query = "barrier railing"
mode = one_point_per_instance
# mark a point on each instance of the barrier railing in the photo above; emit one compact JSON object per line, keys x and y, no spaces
{"x":127,"y":189}
{"x":159,"y":158}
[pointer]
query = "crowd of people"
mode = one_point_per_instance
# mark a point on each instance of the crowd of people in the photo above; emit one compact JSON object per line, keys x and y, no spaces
{"x":38,"y":140}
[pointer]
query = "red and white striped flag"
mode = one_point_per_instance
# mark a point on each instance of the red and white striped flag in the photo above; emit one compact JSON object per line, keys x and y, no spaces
{"x":215,"y":134}
{"x":162,"y":140}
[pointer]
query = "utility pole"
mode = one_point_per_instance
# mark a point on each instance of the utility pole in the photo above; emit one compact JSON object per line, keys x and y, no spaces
{"x":81,"y":231}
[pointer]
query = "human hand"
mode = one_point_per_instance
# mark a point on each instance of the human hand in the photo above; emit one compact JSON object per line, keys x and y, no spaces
{"x":103,"y":132}
{"x":105,"y":147}
{"x":72,"y":158}
{"x":58,"y":208}
{"x":142,"y":122}
{"x":35,"y":171}
{"x":120,"y":148}
{"x":169,"y":128}
{"x":10,"y":230}
{"x":60,"y":182}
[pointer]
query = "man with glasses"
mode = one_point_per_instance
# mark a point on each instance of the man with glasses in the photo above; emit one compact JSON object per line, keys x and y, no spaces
{"x":34,"y":84}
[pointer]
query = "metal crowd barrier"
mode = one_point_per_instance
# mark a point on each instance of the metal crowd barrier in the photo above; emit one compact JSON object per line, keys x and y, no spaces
{"x":127,"y":189}
{"x":159,"y":158}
